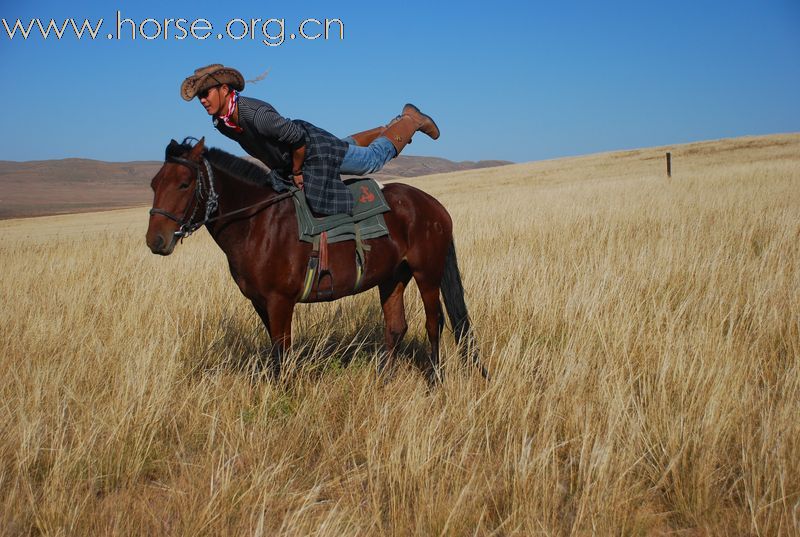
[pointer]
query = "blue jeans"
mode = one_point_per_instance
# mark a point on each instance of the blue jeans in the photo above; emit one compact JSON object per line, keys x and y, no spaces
{"x":364,"y":160}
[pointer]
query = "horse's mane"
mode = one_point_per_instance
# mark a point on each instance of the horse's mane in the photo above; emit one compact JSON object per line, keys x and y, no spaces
{"x":234,"y":166}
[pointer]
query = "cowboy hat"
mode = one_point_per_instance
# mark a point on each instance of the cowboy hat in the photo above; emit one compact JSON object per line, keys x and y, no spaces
{"x":210,"y":76}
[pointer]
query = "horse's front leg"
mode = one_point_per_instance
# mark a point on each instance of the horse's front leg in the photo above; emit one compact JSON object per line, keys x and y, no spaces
{"x":276,"y":314}
{"x":279,"y":310}
{"x":261,"y":309}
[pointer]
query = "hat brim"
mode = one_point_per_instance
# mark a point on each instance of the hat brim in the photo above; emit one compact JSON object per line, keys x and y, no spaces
{"x":195,"y":84}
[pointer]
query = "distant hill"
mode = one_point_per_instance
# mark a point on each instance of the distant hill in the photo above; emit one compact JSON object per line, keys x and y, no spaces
{"x":43,"y":187}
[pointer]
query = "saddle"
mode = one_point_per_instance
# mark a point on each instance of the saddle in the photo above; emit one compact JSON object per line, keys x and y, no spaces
{"x":366,"y":222}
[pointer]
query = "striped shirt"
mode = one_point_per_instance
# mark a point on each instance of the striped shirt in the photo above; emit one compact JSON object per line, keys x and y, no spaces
{"x":267,"y":135}
{"x":271,"y":138}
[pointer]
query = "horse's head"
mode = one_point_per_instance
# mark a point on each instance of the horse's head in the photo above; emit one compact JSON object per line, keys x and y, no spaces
{"x":177,"y":196}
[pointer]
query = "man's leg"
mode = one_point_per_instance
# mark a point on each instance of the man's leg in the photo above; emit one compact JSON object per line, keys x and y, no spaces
{"x":370,"y":150}
{"x":365,"y":160}
{"x":364,"y":138}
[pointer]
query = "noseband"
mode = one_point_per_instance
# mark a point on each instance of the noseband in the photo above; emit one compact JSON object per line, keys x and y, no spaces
{"x":187,"y":224}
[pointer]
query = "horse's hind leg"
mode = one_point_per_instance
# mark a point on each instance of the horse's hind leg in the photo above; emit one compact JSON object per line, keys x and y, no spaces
{"x":394,"y":315}
{"x":434,"y":322}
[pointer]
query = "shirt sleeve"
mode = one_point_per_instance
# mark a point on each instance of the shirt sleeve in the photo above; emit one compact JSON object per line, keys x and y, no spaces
{"x":268,"y":122}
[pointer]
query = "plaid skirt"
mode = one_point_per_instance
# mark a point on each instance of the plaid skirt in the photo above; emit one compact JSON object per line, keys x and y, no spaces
{"x":325,"y":192}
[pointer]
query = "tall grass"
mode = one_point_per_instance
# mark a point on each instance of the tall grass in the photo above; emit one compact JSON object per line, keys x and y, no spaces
{"x":643,"y":335}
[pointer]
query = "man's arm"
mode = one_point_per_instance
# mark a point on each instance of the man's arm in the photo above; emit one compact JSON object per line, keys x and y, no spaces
{"x":298,"y":156}
{"x":268,"y":122}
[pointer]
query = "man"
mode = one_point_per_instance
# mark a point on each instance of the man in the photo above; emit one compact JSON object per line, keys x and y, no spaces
{"x":294,"y":149}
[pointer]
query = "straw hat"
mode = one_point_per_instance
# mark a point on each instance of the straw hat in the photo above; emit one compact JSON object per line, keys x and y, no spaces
{"x":210,"y":76}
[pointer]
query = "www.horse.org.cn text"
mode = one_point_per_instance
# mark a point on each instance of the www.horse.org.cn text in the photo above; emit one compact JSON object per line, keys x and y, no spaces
{"x":271,"y":32}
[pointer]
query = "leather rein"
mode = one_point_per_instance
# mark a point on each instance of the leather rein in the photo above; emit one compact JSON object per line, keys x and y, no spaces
{"x":187,"y":224}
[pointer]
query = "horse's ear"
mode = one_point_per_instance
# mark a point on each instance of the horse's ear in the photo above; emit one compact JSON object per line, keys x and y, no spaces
{"x":198,"y":148}
{"x":171,"y":149}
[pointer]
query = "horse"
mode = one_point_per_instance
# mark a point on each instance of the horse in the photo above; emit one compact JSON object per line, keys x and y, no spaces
{"x":256,"y":228}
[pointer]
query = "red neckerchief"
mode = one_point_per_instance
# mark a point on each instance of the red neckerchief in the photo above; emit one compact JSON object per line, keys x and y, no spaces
{"x":233,"y":99}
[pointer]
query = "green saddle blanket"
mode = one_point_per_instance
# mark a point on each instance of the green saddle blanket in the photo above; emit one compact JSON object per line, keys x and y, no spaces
{"x":367,"y":215}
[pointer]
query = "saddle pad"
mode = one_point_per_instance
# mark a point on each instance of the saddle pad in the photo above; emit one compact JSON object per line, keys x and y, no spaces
{"x":367,"y":213}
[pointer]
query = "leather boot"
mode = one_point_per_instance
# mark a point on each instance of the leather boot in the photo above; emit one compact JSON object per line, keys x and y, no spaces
{"x":364,"y":138}
{"x":426,"y":125}
{"x":425,"y":122}
{"x":400,"y":131}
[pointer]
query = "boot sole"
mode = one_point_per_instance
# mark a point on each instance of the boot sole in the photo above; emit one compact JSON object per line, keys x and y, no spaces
{"x":418,"y":111}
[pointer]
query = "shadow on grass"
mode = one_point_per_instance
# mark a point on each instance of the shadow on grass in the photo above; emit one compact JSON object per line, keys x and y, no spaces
{"x":244,"y":347}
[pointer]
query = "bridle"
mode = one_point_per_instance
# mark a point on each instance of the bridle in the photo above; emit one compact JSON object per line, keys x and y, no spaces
{"x":187,"y":224}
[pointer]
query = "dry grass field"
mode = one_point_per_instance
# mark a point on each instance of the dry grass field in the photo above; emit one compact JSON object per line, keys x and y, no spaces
{"x":643,"y":334}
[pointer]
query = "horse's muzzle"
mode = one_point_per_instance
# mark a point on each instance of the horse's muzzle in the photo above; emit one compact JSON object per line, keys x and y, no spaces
{"x":159,"y":246}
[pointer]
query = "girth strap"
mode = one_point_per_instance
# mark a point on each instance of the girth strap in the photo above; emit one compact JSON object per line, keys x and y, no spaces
{"x":318,"y":269}
{"x":324,"y":269}
{"x":361,"y":257}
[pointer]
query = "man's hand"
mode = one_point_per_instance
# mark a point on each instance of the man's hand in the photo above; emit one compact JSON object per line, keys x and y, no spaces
{"x":298,"y":180}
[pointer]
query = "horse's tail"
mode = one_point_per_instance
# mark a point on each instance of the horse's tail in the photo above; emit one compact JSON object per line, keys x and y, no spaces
{"x":453,"y":295}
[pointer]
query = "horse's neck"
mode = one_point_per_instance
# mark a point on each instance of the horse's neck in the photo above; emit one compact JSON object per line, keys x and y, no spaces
{"x":236,"y":194}
{"x":232,"y":234}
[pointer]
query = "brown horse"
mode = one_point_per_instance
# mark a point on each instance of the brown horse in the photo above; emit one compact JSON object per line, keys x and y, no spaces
{"x":257,"y":229}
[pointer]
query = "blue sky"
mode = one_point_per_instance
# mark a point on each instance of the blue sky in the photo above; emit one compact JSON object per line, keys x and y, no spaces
{"x":510,"y":80}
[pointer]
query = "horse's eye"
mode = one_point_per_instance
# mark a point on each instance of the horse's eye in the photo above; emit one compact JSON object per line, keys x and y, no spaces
{"x":183,"y":186}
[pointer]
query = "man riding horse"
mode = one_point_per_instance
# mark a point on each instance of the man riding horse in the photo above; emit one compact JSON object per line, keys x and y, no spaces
{"x":296,"y":150}
{"x":216,"y":190}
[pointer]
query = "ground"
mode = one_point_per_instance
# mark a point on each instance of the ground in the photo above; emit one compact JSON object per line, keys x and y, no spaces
{"x":643,"y":334}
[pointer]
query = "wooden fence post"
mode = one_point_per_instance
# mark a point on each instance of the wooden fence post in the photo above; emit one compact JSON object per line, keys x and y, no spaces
{"x":669,"y":164}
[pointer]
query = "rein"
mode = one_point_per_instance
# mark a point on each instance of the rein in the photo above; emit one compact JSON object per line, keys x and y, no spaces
{"x":187,"y":225}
